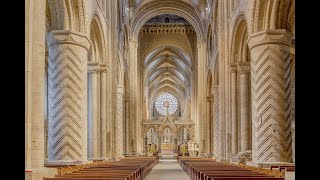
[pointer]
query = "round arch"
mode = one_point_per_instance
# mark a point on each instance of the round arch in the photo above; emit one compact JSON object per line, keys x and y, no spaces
{"x":239,"y":47}
{"x":272,"y":14}
{"x":68,"y":15}
{"x":155,"y":8}
{"x":97,"y":37}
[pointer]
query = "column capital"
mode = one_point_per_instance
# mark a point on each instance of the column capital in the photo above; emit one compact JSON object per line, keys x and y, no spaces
{"x":120,"y":90}
{"x":244,"y":67}
{"x":103,"y":67}
{"x":201,"y":44}
{"x":68,"y":37}
{"x":134,"y":43}
{"x":270,"y":36}
{"x":233,"y":68}
{"x":93,"y":67}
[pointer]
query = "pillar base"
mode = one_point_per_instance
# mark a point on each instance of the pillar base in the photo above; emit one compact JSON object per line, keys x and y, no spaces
{"x":37,"y":174}
{"x":267,"y":164}
{"x":289,"y":175}
{"x":99,"y":159}
{"x":118,"y":158}
{"x":234,"y":159}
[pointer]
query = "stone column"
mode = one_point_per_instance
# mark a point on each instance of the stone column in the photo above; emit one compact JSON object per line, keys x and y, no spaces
{"x":93,"y":70}
{"x":244,"y":70}
{"x":185,"y":134}
{"x":270,"y":80}
{"x":234,"y":120}
{"x":128,"y":137}
{"x":222,"y":126}
{"x":103,"y":111}
{"x":215,"y":91}
{"x":292,"y":93}
{"x":119,"y":123}
{"x":127,"y":130}
{"x":208,"y":127}
{"x":68,"y":56}
{"x":34,"y":83}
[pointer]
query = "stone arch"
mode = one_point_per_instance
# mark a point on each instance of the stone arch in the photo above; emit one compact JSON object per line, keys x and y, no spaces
{"x":239,"y":47}
{"x":146,"y":129}
{"x":154,"y":8}
{"x":185,"y":50}
{"x":68,"y":15}
{"x":98,"y":39}
{"x":272,"y":14}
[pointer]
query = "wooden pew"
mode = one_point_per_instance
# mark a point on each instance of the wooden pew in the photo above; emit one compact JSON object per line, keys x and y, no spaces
{"x":128,"y":168}
{"x":209,"y":169}
{"x":282,"y":168}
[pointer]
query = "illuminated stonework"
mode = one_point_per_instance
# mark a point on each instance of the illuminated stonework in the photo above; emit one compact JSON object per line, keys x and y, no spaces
{"x":166,"y":103}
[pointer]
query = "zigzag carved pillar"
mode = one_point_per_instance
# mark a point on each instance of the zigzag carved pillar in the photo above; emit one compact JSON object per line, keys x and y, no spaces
{"x":127,"y":127}
{"x":244,"y":70}
{"x":270,"y":101}
{"x":93,"y":70}
{"x":215,"y":91}
{"x":67,"y":84}
{"x":103,"y":95}
{"x":119,"y":123}
{"x":234,"y":119}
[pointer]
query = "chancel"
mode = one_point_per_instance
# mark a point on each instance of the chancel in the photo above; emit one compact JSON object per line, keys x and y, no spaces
{"x":159,"y":89}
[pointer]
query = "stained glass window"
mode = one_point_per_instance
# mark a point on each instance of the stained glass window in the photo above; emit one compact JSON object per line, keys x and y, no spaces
{"x":166,"y":103}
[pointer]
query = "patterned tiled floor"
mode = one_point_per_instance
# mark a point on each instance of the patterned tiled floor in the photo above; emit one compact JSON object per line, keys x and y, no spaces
{"x":167,"y":169}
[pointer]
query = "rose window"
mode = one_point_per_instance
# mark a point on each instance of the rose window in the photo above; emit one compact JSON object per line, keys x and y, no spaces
{"x":166,"y":103}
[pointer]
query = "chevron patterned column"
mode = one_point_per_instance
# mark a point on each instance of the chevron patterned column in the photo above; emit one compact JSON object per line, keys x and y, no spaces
{"x":234,"y":119}
{"x":67,"y":84}
{"x":119,"y":123}
{"x":93,"y":70}
{"x":215,"y":91}
{"x":270,"y":96}
{"x":244,"y":70}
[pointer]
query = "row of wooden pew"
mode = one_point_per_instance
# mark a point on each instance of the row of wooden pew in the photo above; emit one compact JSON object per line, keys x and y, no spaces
{"x":128,"y":168}
{"x":209,"y":169}
{"x":283,"y":168}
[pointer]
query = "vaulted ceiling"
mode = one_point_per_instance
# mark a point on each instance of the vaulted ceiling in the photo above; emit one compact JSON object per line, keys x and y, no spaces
{"x":199,"y":4}
{"x":168,"y":65}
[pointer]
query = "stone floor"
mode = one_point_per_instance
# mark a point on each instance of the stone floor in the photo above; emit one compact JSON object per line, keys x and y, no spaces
{"x":167,"y":169}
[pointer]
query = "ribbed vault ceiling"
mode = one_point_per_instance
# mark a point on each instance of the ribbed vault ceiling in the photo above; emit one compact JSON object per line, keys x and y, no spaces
{"x":167,"y":65}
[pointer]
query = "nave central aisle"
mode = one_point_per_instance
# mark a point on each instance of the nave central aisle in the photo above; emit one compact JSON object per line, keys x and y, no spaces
{"x":167,"y":169}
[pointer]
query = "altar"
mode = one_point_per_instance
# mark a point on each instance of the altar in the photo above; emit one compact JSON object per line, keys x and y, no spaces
{"x":167,"y":149}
